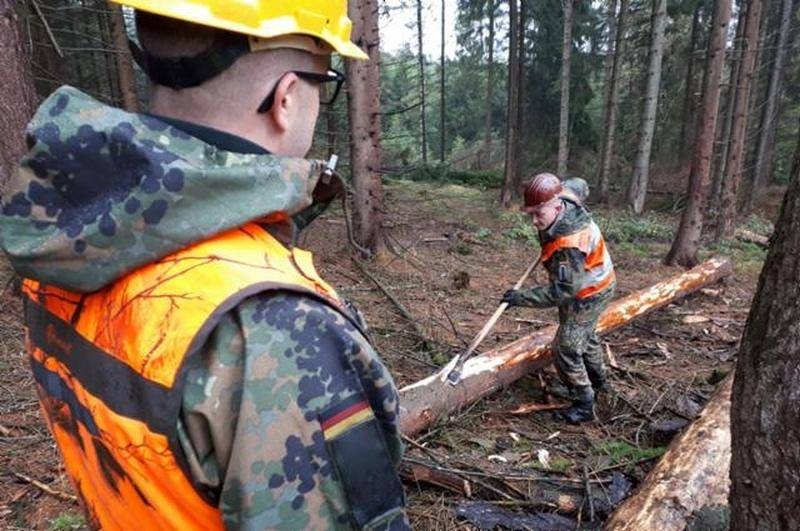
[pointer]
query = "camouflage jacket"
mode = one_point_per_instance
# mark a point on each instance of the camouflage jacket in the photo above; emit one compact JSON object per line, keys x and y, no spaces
{"x":563,"y":281}
{"x":102,"y":192}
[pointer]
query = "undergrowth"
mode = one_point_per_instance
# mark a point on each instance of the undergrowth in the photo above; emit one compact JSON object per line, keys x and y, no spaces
{"x":67,"y":522}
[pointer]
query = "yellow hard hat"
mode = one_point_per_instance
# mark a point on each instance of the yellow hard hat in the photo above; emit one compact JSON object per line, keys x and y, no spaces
{"x":325,"y":20}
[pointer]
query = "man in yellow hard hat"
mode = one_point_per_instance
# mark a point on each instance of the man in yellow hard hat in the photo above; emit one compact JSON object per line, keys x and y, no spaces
{"x":194,"y":369}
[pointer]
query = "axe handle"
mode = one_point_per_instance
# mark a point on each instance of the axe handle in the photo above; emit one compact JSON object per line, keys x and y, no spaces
{"x":461,"y":358}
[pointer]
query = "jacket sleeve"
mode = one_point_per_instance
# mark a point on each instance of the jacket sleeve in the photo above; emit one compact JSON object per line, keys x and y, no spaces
{"x":565,"y":270}
{"x":286,"y":409}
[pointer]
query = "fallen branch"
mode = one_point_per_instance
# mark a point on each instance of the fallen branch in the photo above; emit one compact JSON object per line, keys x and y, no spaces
{"x":46,"y":488}
{"x":400,"y":308}
{"x":692,"y":474}
{"x":416,"y":472}
{"x":752,"y":237}
{"x":426,"y":402}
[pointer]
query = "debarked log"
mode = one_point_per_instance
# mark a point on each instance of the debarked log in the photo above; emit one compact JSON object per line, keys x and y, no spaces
{"x":424,"y":403}
{"x":691,"y":475}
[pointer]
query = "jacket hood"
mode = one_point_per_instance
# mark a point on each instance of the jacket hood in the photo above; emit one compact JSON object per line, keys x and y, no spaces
{"x":103,"y":191}
{"x":572,"y":218}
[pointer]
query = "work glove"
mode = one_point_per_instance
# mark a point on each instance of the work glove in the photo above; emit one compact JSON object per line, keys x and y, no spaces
{"x":511,"y":297}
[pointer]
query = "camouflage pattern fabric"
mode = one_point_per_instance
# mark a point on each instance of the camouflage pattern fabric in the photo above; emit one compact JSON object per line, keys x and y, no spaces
{"x":565,"y":267}
{"x":578,"y":354}
{"x":577,"y":349}
{"x":251,"y":406}
{"x":102,"y":192}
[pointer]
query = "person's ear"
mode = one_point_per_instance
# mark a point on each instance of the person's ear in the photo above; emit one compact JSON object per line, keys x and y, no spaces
{"x":285,"y":100}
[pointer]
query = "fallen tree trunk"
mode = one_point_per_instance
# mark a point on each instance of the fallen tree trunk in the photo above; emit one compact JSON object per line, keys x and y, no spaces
{"x":691,"y":475}
{"x":427,"y":401}
{"x":752,"y":237}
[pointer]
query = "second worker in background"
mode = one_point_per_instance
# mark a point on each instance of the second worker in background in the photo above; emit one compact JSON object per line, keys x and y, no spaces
{"x":581,"y":283}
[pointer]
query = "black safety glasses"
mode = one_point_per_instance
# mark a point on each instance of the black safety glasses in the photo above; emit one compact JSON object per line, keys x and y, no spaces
{"x":326,"y":97}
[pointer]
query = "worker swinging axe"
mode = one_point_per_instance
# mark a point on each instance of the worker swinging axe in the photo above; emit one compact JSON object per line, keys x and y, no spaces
{"x":452,"y":371}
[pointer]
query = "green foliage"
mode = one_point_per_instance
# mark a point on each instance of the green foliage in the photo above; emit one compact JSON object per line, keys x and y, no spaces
{"x":623,"y":452}
{"x":521,"y":227}
{"x":67,"y":522}
{"x":739,"y":251}
{"x":559,"y":464}
{"x":483,"y":233}
{"x":462,"y":248}
{"x":444,"y":174}
{"x":628,"y":228}
{"x":759,"y":225}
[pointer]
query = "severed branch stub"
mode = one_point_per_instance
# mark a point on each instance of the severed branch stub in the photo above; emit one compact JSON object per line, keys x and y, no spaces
{"x":430,"y":400}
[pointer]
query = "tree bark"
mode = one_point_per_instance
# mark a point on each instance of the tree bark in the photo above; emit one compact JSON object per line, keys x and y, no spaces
{"x":612,"y":105}
{"x":442,"y":92}
{"x":487,"y":141}
{"x":125,"y":74}
{"x":736,"y":152}
{"x":687,"y":120}
{"x":523,"y":20}
{"x":17,"y":95}
{"x":421,"y":62}
{"x":365,"y":127}
{"x":766,"y":140}
{"x":641,"y":170}
{"x":687,"y":240}
{"x":429,"y":400}
{"x":563,"y":124}
{"x":765,"y":466}
{"x":724,"y":136}
{"x":691,"y":475}
{"x":511,"y":181}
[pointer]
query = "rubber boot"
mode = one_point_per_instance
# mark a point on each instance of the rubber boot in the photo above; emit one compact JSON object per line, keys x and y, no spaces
{"x":581,"y":410}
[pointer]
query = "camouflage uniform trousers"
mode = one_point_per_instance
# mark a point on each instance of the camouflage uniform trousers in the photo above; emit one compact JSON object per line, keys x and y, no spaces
{"x":577,"y":349}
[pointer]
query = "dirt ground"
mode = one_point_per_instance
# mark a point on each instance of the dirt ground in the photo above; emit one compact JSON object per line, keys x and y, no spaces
{"x":453,"y":255}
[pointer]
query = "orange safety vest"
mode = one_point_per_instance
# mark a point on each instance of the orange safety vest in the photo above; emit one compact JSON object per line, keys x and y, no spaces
{"x":597,"y":262}
{"x":110,"y":369}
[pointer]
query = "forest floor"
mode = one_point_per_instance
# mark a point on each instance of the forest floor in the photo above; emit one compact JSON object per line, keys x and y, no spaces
{"x":455,"y":254}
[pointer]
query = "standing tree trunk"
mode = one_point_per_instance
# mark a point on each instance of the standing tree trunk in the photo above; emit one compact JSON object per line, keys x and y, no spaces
{"x":17,"y":96}
{"x":611,"y":106}
{"x":487,"y":142}
{"x":563,"y":123}
{"x":736,"y":152}
{"x":365,"y":127}
{"x":687,"y":240}
{"x":331,"y":127}
{"x":641,"y":170}
{"x":687,"y":120}
{"x":421,"y":60}
{"x":125,"y":74}
{"x":510,"y":182}
{"x":523,"y":14}
{"x":442,"y":92}
{"x":724,"y":137}
{"x":765,"y":462}
{"x":105,"y":71}
{"x":766,"y":140}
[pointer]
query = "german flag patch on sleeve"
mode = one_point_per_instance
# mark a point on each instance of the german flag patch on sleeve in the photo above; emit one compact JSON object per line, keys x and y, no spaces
{"x":357,"y":450}
{"x":344,"y":416}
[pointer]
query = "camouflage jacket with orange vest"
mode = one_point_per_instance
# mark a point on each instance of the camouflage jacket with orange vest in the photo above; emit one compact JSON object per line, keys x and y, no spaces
{"x":576,"y":258}
{"x":195,"y":373}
